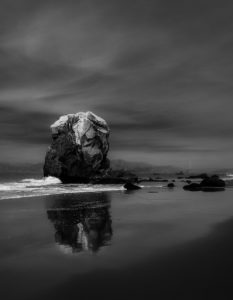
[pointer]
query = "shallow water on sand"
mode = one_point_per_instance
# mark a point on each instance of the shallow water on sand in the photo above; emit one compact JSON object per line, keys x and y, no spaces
{"x":150,"y":243}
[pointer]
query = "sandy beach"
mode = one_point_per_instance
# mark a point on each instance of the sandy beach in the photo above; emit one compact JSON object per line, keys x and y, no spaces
{"x":147,"y":244}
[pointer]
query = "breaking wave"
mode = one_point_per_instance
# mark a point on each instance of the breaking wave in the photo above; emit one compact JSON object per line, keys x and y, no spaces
{"x":48,"y":186}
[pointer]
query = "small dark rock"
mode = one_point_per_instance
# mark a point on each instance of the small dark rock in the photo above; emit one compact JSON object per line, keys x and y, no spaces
{"x":171,"y":185}
{"x":130,"y":186}
{"x":188,"y":181}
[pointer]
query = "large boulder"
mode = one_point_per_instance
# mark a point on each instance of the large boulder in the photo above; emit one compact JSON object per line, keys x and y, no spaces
{"x":79,"y":148}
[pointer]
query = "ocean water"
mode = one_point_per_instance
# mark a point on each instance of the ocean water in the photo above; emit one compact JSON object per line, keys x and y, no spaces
{"x":102,"y":242}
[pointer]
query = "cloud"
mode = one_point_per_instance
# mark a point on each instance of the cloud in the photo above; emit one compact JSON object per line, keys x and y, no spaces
{"x":158,"y":71}
{"x":21,"y":127}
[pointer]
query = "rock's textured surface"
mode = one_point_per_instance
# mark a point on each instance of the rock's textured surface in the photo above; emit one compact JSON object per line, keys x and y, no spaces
{"x":79,"y":148}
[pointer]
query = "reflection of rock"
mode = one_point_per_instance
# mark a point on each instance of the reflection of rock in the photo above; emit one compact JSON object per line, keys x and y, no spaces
{"x":81,"y":222}
{"x":79,"y":148}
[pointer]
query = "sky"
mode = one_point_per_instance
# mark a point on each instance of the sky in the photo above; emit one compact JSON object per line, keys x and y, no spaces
{"x":159,"y":72}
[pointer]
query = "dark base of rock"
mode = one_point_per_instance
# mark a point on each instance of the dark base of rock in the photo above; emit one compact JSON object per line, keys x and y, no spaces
{"x":103,"y":180}
{"x":129,"y":186}
{"x":69,"y":180}
{"x":110,"y":177}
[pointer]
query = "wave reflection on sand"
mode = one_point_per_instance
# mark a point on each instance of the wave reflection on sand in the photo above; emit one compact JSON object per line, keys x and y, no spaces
{"x":80,"y":224}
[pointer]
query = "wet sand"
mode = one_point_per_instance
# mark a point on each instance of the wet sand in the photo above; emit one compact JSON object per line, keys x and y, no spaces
{"x":201,"y":269}
{"x":114,"y":245}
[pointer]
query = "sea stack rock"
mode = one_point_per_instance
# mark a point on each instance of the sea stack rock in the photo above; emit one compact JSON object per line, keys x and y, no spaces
{"x":79,"y":148}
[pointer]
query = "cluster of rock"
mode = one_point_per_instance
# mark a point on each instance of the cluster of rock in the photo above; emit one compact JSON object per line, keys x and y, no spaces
{"x":213,"y":183}
{"x":78,"y":154}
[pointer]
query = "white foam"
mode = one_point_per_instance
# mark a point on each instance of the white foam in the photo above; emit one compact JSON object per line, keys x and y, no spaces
{"x":5,"y":187}
{"x":229,"y":175}
{"x":31,"y":187}
{"x":27,"y":183}
{"x":45,"y":181}
{"x":48,"y":186}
